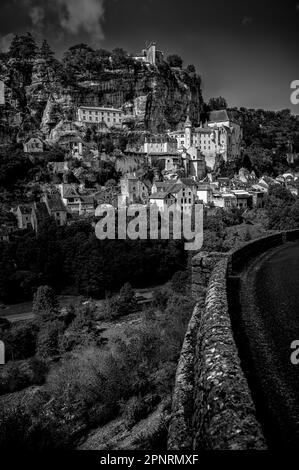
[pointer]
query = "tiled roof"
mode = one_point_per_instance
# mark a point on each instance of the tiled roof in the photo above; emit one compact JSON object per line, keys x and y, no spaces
{"x":159,"y":195}
{"x":68,"y":191}
{"x":40,"y":210}
{"x":188,"y":182}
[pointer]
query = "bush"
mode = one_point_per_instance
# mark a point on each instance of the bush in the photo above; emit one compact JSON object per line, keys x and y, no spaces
{"x":82,"y":330}
{"x":48,"y":339}
{"x":121,"y":305}
{"x":134,"y":410}
{"x":17,"y":375}
{"x":45,"y":304}
{"x":180,"y":281}
{"x":20,"y":340}
{"x":161,"y":297}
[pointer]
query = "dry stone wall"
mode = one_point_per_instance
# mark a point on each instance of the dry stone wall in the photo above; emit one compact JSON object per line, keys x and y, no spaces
{"x":212,"y":403}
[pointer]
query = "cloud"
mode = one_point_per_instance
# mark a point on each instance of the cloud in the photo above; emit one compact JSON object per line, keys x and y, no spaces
{"x":37,"y":15}
{"x":87,"y":15}
{"x":5,"y":42}
{"x":247,"y":20}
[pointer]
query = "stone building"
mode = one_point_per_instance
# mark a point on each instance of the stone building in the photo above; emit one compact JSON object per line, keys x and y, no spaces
{"x":33,"y":145}
{"x":133,"y":190}
{"x":151,"y":55}
{"x":160,"y":144}
{"x":55,"y":208}
{"x":23,"y":214}
{"x":220,"y":137}
{"x":182,"y":193}
{"x":194,"y":162}
{"x":111,"y":117}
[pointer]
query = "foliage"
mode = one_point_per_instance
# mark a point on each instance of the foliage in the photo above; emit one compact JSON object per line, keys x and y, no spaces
{"x":48,"y":339}
{"x":91,"y":386}
{"x":217,"y":103}
{"x":81,"y":332}
{"x":175,"y":60}
{"x":16,"y":375}
{"x":72,"y":255}
{"x":134,"y":410}
{"x":20,"y":340}
{"x":191,"y":68}
{"x":123,"y":304}
{"x":282,"y":209}
{"x":23,"y":47}
{"x":45,"y":304}
{"x":180,"y":281}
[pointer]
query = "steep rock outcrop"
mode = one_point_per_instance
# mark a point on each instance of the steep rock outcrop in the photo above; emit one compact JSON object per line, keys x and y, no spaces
{"x":157,"y":97}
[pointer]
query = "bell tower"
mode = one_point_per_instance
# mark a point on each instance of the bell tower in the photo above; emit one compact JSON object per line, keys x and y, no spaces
{"x":188,"y":129}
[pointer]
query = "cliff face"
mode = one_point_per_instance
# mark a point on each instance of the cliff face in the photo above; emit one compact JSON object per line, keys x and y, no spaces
{"x":155,"y":98}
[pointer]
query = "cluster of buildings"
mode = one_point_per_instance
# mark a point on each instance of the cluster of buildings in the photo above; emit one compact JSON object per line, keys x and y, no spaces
{"x":68,"y":202}
{"x":243,"y":191}
{"x":183,"y":161}
{"x":64,"y":203}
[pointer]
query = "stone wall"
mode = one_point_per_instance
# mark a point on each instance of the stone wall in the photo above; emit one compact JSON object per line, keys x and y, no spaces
{"x":224,"y":413}
{"x":212,"y":404}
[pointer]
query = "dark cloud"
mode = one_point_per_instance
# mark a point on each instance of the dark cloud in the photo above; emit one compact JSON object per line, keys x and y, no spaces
{"x":78,"y":15}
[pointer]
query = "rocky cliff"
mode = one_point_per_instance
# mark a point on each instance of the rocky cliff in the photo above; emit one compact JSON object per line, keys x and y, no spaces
{"x":156,"y":97}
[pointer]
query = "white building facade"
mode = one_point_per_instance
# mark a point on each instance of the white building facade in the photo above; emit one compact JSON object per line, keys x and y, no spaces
{"x":112,"y":117}
{"x":219,"y":137}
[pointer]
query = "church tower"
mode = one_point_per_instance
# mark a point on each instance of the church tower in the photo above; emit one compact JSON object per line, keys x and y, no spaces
{"x":188,"y":128}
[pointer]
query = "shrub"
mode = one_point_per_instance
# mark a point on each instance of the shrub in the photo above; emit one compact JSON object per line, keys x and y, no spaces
{"x":20,"y":340}
{"x":134,"y":410}
{"x":45,"y":304}
{"x":21,"y":374}
{"x":161,"y":297}
{"x":180,"y":281}
{"x":48,"y":339}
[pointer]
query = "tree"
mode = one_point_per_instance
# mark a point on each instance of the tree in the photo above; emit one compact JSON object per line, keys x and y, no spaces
{"x":46,"y":52}
{"x":81,"y":60}
{"x":45,"y":304}
{"x":175,"y":60}
{"x":191,"y":68}
{"x":217,"y":103}
{"x":48,"y":338}
{"x":120,"y":58}
{"x":111,"y":184}
{"x":23,"y":47}
{"x":123,"y":304}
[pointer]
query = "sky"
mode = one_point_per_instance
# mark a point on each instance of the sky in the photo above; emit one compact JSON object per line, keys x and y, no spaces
{"x":246,"y":51}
